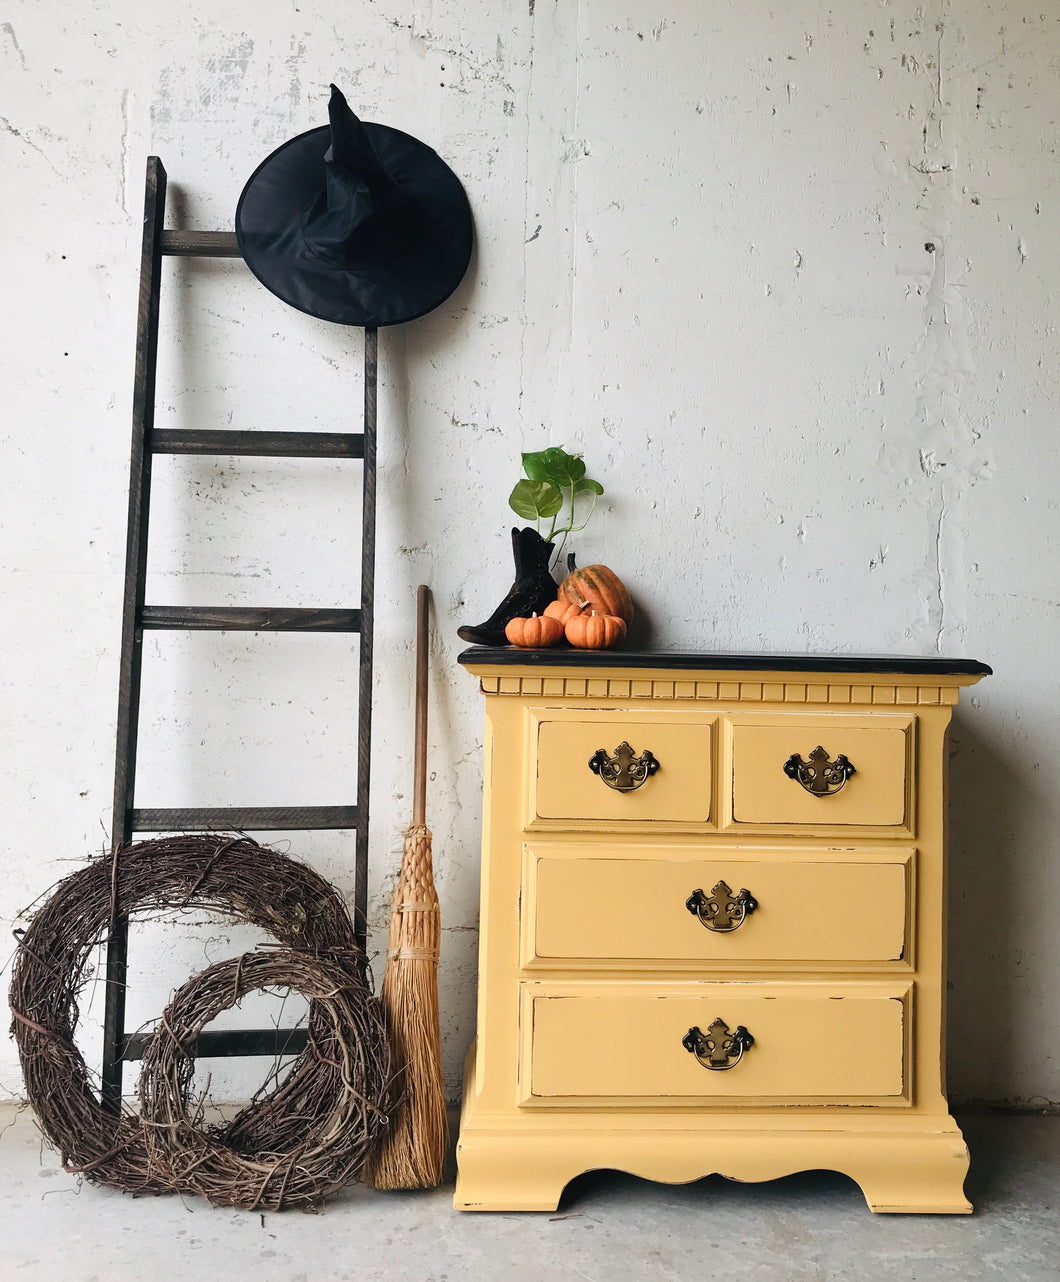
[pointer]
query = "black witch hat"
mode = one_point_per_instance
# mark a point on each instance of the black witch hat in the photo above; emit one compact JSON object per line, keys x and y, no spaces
{"x":356,"y":223}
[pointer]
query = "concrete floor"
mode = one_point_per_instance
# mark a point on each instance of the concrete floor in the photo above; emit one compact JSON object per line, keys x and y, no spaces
{"x":610,"y":1226}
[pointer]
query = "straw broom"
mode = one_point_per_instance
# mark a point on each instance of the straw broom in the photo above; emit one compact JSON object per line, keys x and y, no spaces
{"x":413,"y":1147}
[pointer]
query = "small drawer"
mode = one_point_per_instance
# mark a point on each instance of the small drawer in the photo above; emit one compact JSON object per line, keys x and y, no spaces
{"x":823,"y":771}
{"x":591,"y":767}
{"x":680,"y":904}
{"x":809,"y":1043}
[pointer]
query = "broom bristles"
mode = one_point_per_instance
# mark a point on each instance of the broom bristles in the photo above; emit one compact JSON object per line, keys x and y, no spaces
{"x":411,"y":1153}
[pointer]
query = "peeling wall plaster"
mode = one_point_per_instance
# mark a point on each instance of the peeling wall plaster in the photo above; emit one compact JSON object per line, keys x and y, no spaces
{"x":787,"y":274}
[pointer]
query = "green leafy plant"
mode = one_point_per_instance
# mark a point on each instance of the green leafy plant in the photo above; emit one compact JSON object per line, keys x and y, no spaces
{"x":551,"y":491}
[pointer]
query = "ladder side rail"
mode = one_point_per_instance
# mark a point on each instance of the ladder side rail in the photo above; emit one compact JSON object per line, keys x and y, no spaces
{"x":143,"y":409}
{"x":364,"y":696}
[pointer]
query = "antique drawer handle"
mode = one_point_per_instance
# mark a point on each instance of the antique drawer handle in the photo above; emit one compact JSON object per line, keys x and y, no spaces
{"x":624,"y":771}
{"x":717,"y":1048}
{"x":819,"y":776}
{"x":722,"y":911}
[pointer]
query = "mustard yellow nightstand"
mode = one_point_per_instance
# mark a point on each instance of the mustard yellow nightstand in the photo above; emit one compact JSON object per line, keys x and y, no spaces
{"x":712,"y":924}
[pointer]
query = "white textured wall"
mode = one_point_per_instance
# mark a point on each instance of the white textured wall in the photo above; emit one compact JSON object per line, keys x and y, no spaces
{"x":788,"y":274}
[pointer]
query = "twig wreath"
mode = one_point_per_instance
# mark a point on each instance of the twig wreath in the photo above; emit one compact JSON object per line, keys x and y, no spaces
{"x":291,"y":1146}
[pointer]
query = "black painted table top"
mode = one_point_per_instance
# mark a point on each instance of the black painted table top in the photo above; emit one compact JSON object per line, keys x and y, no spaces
{"x":566,"y":657}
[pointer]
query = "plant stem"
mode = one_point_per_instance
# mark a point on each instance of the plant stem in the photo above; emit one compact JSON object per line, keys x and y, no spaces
{"x":576,"y":528}
{"x":559,"y":551}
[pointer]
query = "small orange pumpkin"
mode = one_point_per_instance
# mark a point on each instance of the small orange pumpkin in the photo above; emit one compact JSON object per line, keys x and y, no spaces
{"x":539,"y":632}
{"x":600,"y":589}
{"x":595,"y":631}
{"x":564,"y":610}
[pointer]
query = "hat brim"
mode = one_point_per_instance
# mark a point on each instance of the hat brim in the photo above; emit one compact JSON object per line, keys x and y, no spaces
{"x":411,"y":283}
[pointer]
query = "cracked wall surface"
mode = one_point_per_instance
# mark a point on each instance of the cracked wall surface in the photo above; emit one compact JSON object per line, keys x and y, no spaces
{"x":788,"y":275}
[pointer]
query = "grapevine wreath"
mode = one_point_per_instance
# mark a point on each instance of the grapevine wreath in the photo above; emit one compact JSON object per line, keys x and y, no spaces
{"x":292,"y":1145}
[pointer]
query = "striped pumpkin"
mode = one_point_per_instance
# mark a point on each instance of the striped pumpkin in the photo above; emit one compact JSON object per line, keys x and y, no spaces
{"x":597,"y":588}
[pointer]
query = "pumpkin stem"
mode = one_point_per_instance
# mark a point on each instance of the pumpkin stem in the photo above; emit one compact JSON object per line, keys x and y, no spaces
{"x":570,"y":562}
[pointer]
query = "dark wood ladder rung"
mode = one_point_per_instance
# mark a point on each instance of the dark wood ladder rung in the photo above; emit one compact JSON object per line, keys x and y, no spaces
{"x":245,"y":618}
{"x":258,"y":444}
{"x":243,"y":818}
{"x":233,"y":1041}
{"x":200,"y":244}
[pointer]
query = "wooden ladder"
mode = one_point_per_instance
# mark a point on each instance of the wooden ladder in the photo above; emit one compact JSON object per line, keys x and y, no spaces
{"x":137,"y":617}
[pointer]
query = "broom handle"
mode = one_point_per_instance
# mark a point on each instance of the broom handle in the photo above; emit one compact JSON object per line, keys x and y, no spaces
{"x":419,"y":785}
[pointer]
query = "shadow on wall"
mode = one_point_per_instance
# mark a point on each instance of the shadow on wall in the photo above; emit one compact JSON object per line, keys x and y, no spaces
{"x":989,"y":887}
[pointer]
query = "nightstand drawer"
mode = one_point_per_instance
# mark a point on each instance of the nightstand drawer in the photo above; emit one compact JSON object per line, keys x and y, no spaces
{"x":725,"y":1043}
{"x":823,"y":771}
{"x":591,"y":767}
{"x":683,"y":904}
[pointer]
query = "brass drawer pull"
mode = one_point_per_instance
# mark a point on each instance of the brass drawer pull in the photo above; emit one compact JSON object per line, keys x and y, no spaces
{"x":624,"y":771}
{"x":819,"y":776}
{"x":722,"y":911}
{"x":717,"y":1048}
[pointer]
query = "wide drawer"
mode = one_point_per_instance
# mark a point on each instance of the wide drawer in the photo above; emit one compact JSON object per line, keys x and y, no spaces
{"x":590,"y":767}
{"x":812,"y":1043}
{"x":639,"y":904}
{"x":823,"y":770}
